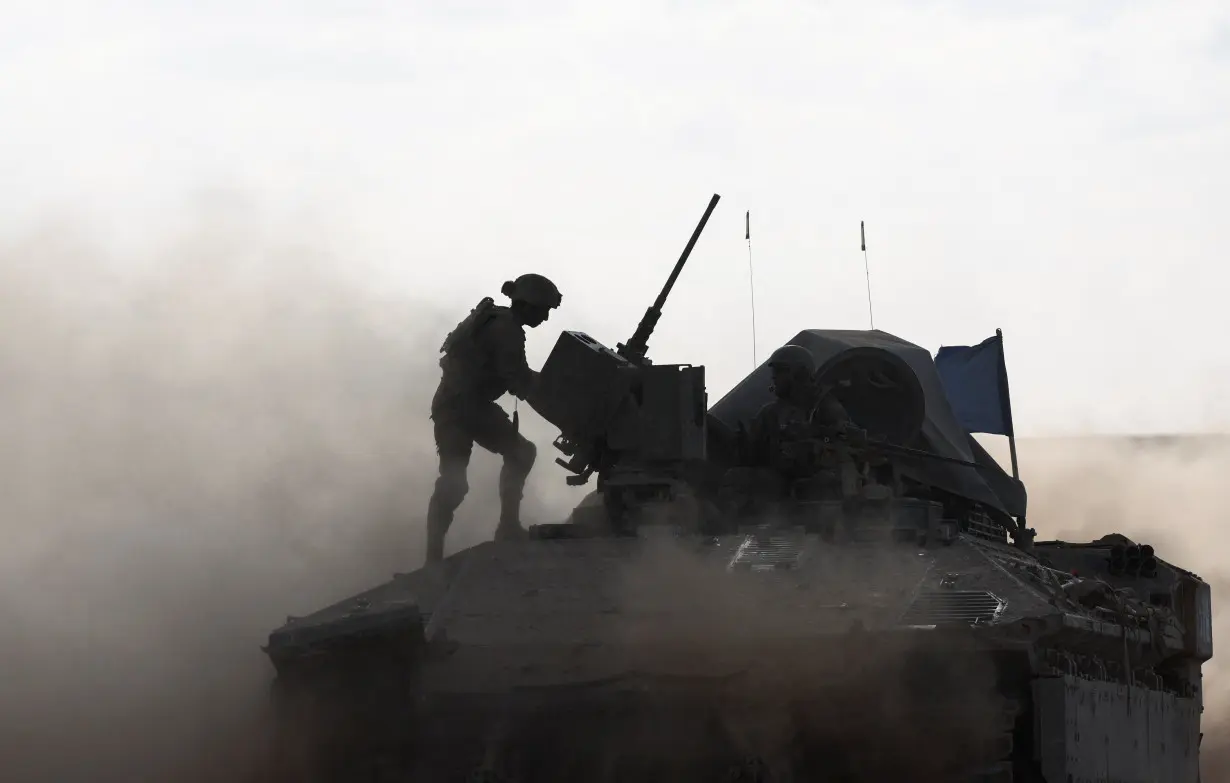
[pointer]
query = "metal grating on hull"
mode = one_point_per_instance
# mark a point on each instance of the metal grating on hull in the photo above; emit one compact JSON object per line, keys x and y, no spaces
{"x":953,"y":607}
{"x":767,"y":553}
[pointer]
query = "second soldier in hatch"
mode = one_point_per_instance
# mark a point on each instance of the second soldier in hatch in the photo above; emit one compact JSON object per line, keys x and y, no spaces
{"x":484,"y":358}
{"x":766,"y":462}
{"x":793,"y":371}
{"x":759,"y":479}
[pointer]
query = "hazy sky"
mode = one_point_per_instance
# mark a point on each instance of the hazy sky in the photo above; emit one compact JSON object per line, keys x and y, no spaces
{"x":1058,"y":170}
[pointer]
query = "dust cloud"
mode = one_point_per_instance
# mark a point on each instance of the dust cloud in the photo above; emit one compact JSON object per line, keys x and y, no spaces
{"x":195,"y":443}
{"x":230,"y":428}
{"x":849,"y":700}
{"x":1172,"y":494}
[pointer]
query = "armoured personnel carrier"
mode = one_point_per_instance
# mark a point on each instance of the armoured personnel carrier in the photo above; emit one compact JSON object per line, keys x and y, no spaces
{"x":893,"y":620}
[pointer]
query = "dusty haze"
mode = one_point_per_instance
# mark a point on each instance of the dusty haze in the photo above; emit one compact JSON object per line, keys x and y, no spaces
{"x":229,"y":429}
{"x":196,"y":443}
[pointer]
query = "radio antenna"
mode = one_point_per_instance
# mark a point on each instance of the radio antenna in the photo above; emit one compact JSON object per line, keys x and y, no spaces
{"x":862,"y":233}
{"x":751,"y":281}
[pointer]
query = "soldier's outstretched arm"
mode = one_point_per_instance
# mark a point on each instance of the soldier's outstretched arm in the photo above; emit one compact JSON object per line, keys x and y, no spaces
{"x":508,"y":354}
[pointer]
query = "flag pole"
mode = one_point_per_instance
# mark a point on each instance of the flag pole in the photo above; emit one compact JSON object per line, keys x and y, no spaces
{"x":1007,"y":402}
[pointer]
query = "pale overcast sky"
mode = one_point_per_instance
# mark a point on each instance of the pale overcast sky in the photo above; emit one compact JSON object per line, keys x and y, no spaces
{"x":1056,"y":169}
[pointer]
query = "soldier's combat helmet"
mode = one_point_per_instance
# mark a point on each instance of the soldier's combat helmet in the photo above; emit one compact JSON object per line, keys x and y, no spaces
{"x":795,"y":358}
{"x":533,"y":290}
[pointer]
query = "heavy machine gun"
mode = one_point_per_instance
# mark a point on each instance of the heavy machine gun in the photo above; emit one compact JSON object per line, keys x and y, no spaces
{"x":636,"y":424}
{"x":811,"y":446}
{"x":837,"y":480}
{"x":634,"y":350}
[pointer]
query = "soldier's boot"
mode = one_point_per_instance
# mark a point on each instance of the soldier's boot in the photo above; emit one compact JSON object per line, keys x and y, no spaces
{"x":510,"y":528}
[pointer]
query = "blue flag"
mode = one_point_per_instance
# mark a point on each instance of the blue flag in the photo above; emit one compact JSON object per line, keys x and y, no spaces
{"x":975,"y":379}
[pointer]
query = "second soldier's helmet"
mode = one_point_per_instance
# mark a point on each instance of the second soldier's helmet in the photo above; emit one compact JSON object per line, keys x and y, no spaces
{"x":795,"y":358}
{"x":533,"y":290}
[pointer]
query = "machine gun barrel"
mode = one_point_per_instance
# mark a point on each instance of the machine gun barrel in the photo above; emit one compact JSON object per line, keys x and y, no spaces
{"x":906,"y":451}
{"x":892,"y":448}
{"x":634,"y":350}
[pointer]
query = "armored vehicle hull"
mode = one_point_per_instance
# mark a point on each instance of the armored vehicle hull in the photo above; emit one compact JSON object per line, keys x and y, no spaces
{"x":758,"y":656}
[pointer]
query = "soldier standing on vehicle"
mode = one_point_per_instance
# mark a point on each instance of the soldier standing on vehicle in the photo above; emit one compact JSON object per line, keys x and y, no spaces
{"x":484,"y":358}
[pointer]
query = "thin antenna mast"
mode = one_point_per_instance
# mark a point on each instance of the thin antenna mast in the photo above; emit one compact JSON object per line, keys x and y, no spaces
{"x":751,"y":282}
{"x":862,"y":233}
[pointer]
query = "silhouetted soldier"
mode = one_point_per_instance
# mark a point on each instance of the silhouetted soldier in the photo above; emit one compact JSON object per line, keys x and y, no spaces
{"x":763,"y":471}
{"x":794,"y":370}
{"x":484,"y":358}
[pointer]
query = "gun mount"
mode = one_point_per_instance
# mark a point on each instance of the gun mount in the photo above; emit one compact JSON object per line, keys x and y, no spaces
{"x":636,"y":424}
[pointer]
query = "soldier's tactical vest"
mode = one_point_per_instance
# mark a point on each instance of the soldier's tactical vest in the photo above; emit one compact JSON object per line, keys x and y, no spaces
{"x":465,"y":364}
{"x":787,"y":424}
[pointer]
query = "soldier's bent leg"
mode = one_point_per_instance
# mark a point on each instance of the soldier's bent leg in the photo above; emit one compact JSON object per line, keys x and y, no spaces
{"x":450,"y":490}
{"x":518,"y":462}
{"x":454,"y":447}
{"x":494,"y":431}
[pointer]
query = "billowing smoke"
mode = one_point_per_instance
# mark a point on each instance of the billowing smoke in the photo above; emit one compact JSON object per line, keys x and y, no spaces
{"x":1169,"y":493}
{"x":229,"y":428}
{"x":195,"y":443}
{"x":848,"y":699}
